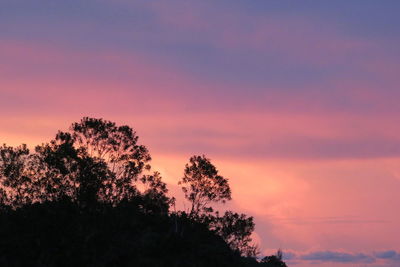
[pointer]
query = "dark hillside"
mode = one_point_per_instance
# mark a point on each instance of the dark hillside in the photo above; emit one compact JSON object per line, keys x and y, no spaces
{"x":89,"y":198}
{"x":62,"y":234}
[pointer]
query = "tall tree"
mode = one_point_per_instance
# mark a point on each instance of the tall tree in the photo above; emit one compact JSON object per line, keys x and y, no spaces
{"x":202,"y":185}
{"x":118,"y":148}
{"x":95,"y":161}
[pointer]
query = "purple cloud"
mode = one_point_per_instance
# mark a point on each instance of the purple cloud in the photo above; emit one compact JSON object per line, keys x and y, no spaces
{"x":384,"y":258}
{"x":388,"y":254}
{"x":333,"y":256}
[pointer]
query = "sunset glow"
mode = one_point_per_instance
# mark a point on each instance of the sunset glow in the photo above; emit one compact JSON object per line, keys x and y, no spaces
{"x":296,"y":102}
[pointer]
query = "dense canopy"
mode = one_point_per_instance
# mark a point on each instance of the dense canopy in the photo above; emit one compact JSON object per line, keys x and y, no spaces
{"x":90,"y":198}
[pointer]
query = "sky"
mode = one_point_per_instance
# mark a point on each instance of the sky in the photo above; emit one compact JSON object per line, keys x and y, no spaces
{"x":296,"y":102}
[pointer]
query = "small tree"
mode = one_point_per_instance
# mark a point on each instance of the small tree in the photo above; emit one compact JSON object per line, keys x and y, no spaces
{"x":274,"y":260}
{"x":202,"y":185}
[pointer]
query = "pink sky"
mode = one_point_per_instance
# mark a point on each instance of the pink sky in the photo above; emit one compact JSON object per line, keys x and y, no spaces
{"x":298,"y":109}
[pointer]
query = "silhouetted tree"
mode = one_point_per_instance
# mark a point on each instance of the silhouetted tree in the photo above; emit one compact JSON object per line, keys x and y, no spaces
{"x":202,"y":185}
{"x":89,"y":198}
{"x":274,"y":260}
{"x":236,"y":230}
{"x":69,"y":171}
{"x":95,"y":161}
{"x":14,"y":174}
{"x":118,"y":148}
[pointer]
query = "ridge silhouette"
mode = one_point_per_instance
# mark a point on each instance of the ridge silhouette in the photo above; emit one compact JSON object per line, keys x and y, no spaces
{"x":90,"y":198}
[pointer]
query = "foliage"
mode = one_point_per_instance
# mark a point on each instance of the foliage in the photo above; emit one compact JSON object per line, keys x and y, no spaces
{"x":89,"y":198}
{"x":202,"y":185}
{"x":274,"y":260}
{"x":95,"y":161}
{"x":236,"y":230}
